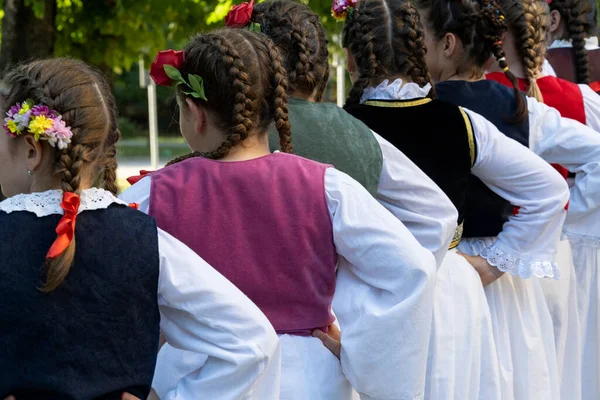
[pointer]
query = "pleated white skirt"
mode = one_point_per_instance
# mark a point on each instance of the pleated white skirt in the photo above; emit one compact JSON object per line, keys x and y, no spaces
{"x":523,"y":334}
{"x":462,"y":362}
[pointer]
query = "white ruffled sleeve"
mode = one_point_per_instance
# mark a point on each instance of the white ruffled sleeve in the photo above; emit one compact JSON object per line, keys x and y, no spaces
{"x":577,"y":148}
{"x":384,"y":294}
{"x":413,"y":198}
{"x":591,"y":105}
{"x":547,"y":69}
{"x":202,"y":312}
{"x":139,"y":193}
{"x":528,"y":242}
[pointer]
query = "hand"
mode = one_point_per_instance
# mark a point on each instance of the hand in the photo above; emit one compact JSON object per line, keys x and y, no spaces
{"x":153,"y":396}
{"x":10,"y":398}
{"x":488,"y":273}
{"x":331,"y":339}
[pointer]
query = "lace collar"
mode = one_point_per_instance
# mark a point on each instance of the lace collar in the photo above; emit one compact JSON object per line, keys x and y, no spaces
{"x":395,"y":91}
{"x":47,"y":203}
{"x":591,"y":43}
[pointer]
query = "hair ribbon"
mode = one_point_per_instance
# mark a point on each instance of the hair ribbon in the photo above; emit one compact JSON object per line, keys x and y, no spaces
{"x":66,"y":226}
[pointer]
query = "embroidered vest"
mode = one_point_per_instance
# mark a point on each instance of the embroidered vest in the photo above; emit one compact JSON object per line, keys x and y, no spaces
{"x":95,"y":336}
{"x":435,"y":135}
{"x":264,"y":224}
{"x":326,"y":133}
{"x":562,"y":61}
{"x":486,"y":211}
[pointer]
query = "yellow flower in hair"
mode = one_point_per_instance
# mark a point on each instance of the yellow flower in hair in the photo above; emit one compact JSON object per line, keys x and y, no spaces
{"x":12,"y":126}
{"x":39,"y":125}
{"x":24,"y":108}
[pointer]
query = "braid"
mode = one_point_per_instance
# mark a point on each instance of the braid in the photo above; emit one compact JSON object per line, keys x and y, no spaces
{"x":280,"y":99}
{"x":494,"y":26}
{"x":240,"y":120}
{"x":110,"y":170}
{"x":410,"y":30}
{"x":302,"y":40}
{"x":363,"y":50}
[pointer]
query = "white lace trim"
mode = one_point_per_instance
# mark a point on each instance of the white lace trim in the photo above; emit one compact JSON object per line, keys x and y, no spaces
{"x":395,"y":91}
{"x":518,"y":266}
{"x":47,"y":203}
{"x":578,"y":240}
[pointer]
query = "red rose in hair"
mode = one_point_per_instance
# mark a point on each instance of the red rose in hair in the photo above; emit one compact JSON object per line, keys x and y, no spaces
{"x":165,"y":57}
{"x":239,"y":16}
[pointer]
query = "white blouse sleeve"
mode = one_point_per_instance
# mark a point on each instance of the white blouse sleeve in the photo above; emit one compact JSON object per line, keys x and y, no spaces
{"x":384,"y":294}
{"x":413,"y":198}
{"x":139,"y":193}
{"x":202,"y":312}
{"x":591,"y":105}
{"x":577,"y":148}
{"x":528,"y":242}
{"x":547,"y":69}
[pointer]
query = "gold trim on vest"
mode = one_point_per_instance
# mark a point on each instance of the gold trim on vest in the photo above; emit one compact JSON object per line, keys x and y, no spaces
{"x":470,"y":136}
{"x":457,"y":236}
{"x":397,"y":104}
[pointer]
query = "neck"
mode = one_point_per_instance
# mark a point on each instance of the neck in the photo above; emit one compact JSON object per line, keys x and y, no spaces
{"x":376,"y":81}
{"x":254,"y":147}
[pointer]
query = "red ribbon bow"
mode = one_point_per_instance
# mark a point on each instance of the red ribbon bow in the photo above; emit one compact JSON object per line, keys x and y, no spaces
{"x":66,"y":226}
{"x":135,"y":179}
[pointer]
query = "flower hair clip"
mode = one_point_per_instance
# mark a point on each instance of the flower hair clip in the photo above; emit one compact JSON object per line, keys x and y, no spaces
{"x":340,"y":9}
{"x":164,"y":71}
{"x":240,"y":16}
{"x":43,"y":123}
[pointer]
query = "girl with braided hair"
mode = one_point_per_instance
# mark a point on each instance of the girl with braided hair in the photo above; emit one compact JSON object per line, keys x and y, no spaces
{"x":573,"y":49}
{"x":449,"y":143}
{"x":525,"y":49}
{"x":277,"y":225}
{"x":461,"y":36}
{"x":340,"y":139}
{"x":81,"y":312}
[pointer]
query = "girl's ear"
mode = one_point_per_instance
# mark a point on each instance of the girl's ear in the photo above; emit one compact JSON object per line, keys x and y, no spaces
{"x":198,"y":113}
{"x":34,"y":153}
{"x":451,"y":44}
{"x":554,"y":21}
{"x":351,"y":65}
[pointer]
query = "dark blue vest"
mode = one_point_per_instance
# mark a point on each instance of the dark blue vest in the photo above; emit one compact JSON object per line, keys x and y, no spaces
{"x":97,"y":334}
{"x":486,"y":212}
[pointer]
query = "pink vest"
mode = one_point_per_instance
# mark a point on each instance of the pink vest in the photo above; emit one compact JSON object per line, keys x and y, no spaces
{"x":264,"y":224}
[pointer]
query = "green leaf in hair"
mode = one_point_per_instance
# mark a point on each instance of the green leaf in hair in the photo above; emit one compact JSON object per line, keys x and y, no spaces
{"x":255,"y":27}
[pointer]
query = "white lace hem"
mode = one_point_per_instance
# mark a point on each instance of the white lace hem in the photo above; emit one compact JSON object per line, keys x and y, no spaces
{"x":47,"y":203}
{"x":395,"y":91}
{"x":578,"y":240}
{"x":518,"y":266}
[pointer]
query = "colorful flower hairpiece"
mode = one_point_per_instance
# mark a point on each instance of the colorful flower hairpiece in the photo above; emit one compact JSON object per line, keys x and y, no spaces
{"x":340,"y":9}
{"x":43,"y":123}
{"x":164,"y":71}
{"x":240,"y":16}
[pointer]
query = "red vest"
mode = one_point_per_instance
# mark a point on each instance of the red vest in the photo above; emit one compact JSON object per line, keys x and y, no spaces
{"x":264,"y":224}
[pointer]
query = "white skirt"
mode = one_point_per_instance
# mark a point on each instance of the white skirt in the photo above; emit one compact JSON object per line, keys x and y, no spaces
{"x":523,"y":333}
{"x":586,"y":258}
{"x":462,"y":362}
{"x":309,"y":370}
{"x":561,"y":297}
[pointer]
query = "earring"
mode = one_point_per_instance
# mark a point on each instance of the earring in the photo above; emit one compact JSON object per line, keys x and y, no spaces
{"x":29,"y":172}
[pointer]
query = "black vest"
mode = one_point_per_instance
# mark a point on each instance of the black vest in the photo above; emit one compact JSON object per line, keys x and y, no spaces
{"x":486,"y":211}
{"x":95,"y":336}
{"x":325,"y":133}
{"x":435,"y":135}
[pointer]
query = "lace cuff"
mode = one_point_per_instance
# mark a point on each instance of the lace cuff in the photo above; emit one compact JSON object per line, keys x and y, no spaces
{"x":519,"y":266}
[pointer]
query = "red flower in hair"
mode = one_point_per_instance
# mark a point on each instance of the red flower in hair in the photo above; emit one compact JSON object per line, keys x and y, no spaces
{"x":165,"y":57}
{"x":239,"y":16}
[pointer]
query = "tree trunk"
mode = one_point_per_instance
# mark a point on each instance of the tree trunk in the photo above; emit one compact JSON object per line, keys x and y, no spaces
{"x":24,"y":36}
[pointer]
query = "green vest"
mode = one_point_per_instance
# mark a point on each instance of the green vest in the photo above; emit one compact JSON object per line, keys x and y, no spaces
{"x":325,"y":133}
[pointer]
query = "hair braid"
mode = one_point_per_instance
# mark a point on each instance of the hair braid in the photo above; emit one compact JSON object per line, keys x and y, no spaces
{"x":363,"y":48}
{"x":279,"y":99}
{"x":240,"y":120}
{"x":409,"y":28}
{"x":302,"y":40}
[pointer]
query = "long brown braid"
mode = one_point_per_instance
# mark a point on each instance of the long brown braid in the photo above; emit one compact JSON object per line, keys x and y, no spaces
{"x":386,"y":39}
{"x":244,"y":66}
{"x":575,"y":15}
{"x":480,"y":26}
{"x":528,"y":22}
{"x":81,"y":96}
{"x":297,"y":32}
